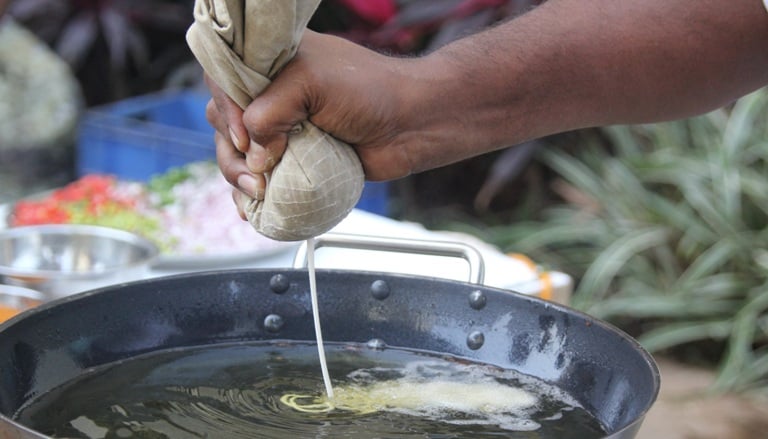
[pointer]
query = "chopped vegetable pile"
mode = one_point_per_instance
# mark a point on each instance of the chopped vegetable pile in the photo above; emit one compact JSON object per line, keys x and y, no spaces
{"x":93,"y":199}
{"x":186,"y":211}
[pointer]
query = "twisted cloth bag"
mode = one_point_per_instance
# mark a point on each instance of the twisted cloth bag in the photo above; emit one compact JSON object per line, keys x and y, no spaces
{"x":241,"y":45}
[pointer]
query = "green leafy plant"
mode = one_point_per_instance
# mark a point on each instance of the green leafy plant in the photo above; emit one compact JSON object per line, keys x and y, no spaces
{"x":116,"y":48}
{"x":666,"y":231}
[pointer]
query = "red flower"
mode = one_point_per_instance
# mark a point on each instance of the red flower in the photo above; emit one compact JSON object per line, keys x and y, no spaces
{"x":376,"y":12}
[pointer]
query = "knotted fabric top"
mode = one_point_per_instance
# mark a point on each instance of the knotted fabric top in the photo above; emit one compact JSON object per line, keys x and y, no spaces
{"x":242,"y":45}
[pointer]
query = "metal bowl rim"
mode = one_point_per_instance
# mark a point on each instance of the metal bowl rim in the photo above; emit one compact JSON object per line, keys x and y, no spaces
{"x":151,"y":250}
{"x":23,"y":292}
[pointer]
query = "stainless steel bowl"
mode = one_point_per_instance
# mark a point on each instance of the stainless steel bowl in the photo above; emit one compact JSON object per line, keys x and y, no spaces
{"x":64,"y":259}
{"x":14,"y":300}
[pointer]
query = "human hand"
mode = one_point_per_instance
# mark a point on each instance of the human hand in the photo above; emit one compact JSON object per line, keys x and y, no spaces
{"x":358,"y":98}
{"x":232,"y":143}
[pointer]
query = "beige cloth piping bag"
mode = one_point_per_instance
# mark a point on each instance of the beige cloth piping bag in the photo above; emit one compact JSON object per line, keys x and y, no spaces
{"x":241,"y":44}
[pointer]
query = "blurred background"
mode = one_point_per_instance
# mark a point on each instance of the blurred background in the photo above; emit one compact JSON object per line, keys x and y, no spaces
{"x":663,"y":227}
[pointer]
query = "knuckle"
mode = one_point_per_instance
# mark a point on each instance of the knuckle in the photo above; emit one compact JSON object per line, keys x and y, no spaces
{"x":211,"y":112}
{"x":256,"y":119}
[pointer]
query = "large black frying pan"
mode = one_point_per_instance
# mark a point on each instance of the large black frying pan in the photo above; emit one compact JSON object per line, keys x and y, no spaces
{"x":608,"y":372}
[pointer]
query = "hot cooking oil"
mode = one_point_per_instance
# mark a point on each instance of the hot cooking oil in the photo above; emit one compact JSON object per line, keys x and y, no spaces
{"x":245,"y":390}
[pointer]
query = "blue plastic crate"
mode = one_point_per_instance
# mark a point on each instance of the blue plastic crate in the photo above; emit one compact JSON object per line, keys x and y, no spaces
{"x":139,"y":137}
{"x":375,"y":198}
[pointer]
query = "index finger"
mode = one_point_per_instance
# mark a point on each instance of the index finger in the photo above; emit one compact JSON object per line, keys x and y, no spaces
{"x":232,"y":115}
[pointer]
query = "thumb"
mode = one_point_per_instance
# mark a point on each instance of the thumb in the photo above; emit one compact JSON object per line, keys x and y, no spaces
{"x":271,"y":117}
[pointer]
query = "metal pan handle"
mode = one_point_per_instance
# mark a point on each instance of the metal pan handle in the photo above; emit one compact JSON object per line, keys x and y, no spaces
{"x":399,"y":245}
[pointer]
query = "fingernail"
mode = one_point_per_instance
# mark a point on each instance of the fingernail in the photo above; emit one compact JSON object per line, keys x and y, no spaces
{"x":257,"y":158}
{"x":235,"y":140}
{"x":241,"y":201}
{"x":251,"y":186}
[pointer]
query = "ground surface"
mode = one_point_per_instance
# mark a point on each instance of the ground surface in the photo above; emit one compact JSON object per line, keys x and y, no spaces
{"x":684,"y":411}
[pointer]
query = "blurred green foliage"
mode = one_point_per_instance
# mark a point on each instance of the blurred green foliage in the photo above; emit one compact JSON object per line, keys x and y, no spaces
{"x":665,"y":229}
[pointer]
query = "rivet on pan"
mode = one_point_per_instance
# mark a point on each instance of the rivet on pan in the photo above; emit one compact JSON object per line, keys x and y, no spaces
{"x":380,"y":289}
{"x":273,"y":323}
{"x":475,"y":340}
{"x":376,"y":343}
{"x":477,"y":299}
{"x":279,"y":283}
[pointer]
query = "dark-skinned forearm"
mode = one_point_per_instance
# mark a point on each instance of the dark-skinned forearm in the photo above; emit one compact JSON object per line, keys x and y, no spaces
{"x":572,"y":64}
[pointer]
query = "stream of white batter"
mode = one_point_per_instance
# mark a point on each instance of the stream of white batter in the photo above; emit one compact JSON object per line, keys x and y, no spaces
{"x":316,"y":317}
